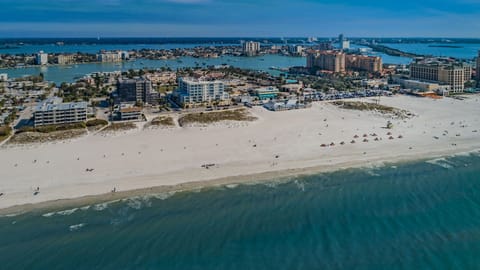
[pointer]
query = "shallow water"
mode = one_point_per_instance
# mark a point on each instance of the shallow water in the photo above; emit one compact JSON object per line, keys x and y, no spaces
{"x":422,"y":215}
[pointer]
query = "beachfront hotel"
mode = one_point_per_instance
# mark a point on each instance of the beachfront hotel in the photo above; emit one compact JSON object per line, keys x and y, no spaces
{"x":194,"y":91}
{"x":251,"y":48}
{"x":454,"y":74}
{"x":333,"y":61}
{"x":372,"y":64}
{"x":53,"y":111}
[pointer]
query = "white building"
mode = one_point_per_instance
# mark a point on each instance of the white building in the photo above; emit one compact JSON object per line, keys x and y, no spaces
{"x":53,"y":112}
{"x":345,"y":45}
{"x":3,"y":77}
{"x":41,"y":58}
{"x":111,"y":56}
{"x":192,"y":91}
{"x":295,"y":49}
{"x":251,"y":48}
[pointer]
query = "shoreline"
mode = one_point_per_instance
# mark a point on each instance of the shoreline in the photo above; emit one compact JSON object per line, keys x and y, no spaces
{"x":255,"y":179}
{"x":323,"y":138}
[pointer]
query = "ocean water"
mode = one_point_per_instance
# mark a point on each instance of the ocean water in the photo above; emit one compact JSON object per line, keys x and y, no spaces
{"x":467,"y":51}
{"x":71,"y":73}
{"x":422,"y":215}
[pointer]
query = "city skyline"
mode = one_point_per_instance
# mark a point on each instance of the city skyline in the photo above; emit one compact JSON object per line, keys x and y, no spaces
{"x":214,"y":18}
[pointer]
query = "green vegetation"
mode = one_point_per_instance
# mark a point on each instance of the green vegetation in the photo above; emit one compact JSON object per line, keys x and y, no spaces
{"x":365,"y":106}
{"x":81,"y":91}
{"x":212,"y":117}
{"x":163,"y":121}
{"x":38,"y":137}
{"x":5,"y":132}
{"x":96,"y":122}
{"x":120,"y":127}
{"x":52,"y":128}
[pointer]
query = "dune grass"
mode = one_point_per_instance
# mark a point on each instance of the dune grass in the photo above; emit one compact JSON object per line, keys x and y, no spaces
{"x":213,"y":117}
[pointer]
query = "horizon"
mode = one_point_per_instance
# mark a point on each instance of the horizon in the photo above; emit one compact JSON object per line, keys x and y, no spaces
{"x":246,"y":18}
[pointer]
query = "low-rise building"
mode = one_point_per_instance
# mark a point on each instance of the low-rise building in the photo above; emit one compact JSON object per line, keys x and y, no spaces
{"x":53,"y":111}
{"x":264,"y":93}
{"x":128,"y":112}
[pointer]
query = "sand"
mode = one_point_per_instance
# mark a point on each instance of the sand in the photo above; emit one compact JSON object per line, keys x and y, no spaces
{"x":277,"y":144}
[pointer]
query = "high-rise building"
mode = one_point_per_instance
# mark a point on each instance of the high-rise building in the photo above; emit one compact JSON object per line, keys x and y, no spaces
{"x":136,"y":90}
{"x":200,"y":91}
{"x":251,"y":48}
{"x":341,"y":38}
{"x":443,"y":71}
{"x":370,"y":64}
{"x":333,"y":61}
{"x":53,"y":112}
{"x":41,"y":58}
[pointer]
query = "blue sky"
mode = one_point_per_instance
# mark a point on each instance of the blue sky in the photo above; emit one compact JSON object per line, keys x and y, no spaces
{"x":240,"y":18}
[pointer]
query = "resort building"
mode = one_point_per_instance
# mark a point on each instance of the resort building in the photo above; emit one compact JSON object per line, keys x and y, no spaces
{"x":41,"y":58}
{"x":53,"y":112}
{"x":443,"y":71}
{"x":265,"y":93}
{"x":65,"y":59}
{"x":194,"y":91}
{"x":372,"y":64}
{"x":139,"y":90}
{"x":333,"y":61}
{"x":251,"y":48}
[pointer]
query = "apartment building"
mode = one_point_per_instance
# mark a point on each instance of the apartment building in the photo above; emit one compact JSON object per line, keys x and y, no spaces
{"x":63,"y":59}
{"x":191,"y":91}
{"x":136,"y":90}
{"x":251,"y":48}
{"x":54,"y":112}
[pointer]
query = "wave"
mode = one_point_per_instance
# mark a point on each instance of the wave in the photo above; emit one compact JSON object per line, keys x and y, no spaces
{"x":61,"y":213}
{"x":441,"y":162}
{"x":76,"y":227}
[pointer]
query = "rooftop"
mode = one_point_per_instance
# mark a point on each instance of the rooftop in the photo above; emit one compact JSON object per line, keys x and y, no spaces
{"x":55,"y":104}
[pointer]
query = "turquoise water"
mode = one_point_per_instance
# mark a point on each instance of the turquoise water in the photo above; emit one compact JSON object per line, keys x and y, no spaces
{"x":467,"y":51}
{"x":423,"y":215}
{"x":59,"y":74}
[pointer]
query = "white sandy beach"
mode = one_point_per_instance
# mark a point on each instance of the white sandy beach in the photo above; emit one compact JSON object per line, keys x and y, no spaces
{"x":284,"y":140}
